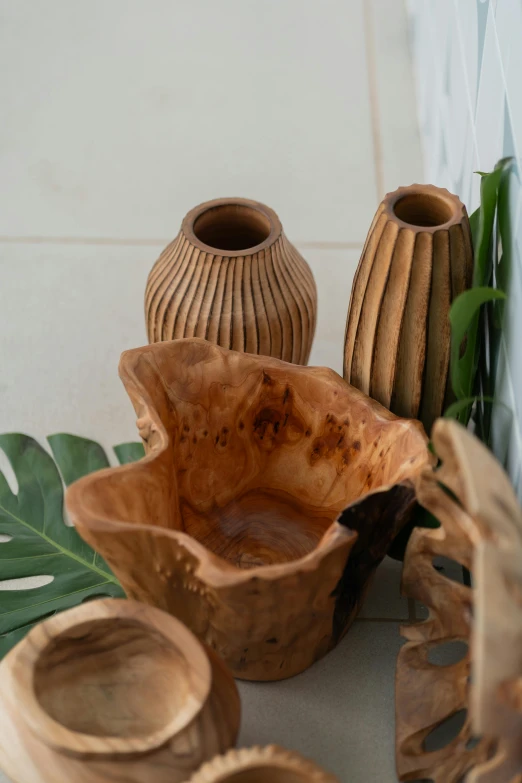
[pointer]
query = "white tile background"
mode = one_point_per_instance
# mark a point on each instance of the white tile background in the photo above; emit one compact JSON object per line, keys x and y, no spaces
{"x":117,"y":118}
{"x":467,"y":58}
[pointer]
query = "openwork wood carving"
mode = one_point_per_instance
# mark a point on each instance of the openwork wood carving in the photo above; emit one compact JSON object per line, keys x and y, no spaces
{"x":229,"y":522}
{"x":256,"y":765}
{"x":232,"y":277}
{"x":113,"y":690}
{"x":481,"y":528}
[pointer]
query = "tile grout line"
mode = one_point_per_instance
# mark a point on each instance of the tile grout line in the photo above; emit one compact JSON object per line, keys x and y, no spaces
{"x":113,"y":241}
{"x":374,"y":101}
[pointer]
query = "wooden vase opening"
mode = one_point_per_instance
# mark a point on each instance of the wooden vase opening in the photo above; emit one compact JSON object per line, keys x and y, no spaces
{"x":232,"y":226}
{"x":426,"y":210}
{"x":114,"y":677}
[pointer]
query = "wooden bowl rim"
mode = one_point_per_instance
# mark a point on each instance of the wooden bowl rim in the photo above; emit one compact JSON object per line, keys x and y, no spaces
{"x":211,"y":568}
{"x":221,"y":768}
{"x":74,"y":743}
{"x":187,"y":227}
{"x":458,"y":209}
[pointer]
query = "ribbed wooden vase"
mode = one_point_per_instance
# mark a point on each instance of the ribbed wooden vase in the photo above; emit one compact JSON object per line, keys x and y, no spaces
{"x":232,"y":277}
{"x":416,"y":259}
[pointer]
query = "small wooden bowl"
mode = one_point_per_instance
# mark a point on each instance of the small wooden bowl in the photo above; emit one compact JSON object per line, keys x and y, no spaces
{"x":236,"y":521}
{"x":113,"y":689}
{"x":270,"y":764}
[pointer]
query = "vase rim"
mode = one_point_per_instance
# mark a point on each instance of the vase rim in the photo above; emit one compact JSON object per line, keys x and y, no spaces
{"x":272,"y":226}
{"x":442,"y":209}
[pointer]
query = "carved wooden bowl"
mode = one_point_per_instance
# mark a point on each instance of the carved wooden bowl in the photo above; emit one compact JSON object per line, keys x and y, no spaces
{"x":229,"y":522}
{"x":113,"y":690}
{"x":261,"y":765}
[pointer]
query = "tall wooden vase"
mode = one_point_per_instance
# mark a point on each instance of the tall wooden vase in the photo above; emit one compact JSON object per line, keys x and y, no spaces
{"x":417,"y":258}
{"x":232,"y":277}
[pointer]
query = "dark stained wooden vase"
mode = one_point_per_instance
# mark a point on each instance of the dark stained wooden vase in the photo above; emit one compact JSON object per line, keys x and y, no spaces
{"x":232,"y":277}
{"x":417,"y":259}
{"x":229,"y":522}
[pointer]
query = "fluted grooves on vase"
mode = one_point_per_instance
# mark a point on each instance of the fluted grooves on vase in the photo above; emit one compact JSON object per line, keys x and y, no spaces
{"x":251,"y":292}
{"x":417,"y":258}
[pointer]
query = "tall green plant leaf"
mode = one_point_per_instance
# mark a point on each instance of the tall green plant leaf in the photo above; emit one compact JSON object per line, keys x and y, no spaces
{"x":34,"y":539}
{"x":483,"y":265}
{"x":464,"y":319}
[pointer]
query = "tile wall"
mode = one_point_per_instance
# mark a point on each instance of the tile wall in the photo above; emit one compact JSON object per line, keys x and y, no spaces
{"x":467,"y":59}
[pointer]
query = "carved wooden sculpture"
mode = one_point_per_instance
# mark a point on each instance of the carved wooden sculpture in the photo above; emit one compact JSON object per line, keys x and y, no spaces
{"x":232,"y":277}
{"x":481,"y":528}
{"x":270,"y":764}
{"x":417,"y":258}
{"x":113,"y":690}
{"x":496,"y":700}
{"x":229,"y":522}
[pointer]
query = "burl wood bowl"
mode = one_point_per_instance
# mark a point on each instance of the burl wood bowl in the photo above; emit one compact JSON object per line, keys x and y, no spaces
{"x":113,"y":690}
{"x":270,"y":764}
{"x":230,"y":522}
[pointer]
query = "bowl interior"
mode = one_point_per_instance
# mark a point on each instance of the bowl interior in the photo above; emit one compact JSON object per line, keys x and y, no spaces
{"x":112,"y":678}
{"x":261,"y":527}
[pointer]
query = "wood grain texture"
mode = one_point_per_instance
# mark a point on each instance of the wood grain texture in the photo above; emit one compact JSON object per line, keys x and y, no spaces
{"x":232,"y":277}
{"x":417,"y":258}
{"x":229,"y":522}
{"x":496,"y":639}
{"x":113,"y":690}
{"x":479,"y":528}
{"x":270,"y":764}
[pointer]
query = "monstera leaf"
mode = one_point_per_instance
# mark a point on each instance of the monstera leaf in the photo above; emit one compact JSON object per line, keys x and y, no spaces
{"x":36,"y":541}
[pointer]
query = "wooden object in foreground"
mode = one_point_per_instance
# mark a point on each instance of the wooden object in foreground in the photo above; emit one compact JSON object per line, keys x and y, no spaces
{"x":496,"y":640}
{"x":232,"y":277}
{"x":270,"y":764}
{"x":417,"y":258}
{"x":229,"y":522}
{"x":113,"y":690}
{"x":481,"y":530}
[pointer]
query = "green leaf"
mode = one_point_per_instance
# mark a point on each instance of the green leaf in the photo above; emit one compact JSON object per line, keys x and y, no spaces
{"x":76,"y":457}
{"x":474,"y":220}
{"x":129,"y":452}
{"x":483,"y":241}
{"x":40,"y":542}
{"x":464,"y":321}
{"x":454,"y":410}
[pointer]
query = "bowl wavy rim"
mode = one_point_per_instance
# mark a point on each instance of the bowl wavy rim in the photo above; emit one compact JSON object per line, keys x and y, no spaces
{"x":213,"y":569}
